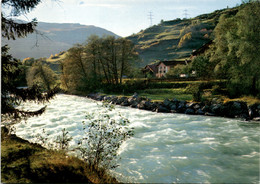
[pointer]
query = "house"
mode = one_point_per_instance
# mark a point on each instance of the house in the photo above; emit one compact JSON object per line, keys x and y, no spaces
{"x":160,"y":68}
{"x":201,"y":50}
{"x":150,"y":70}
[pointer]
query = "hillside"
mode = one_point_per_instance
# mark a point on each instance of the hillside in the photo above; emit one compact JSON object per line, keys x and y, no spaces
{"x":176,"y":38}
{"x":52,"y":38}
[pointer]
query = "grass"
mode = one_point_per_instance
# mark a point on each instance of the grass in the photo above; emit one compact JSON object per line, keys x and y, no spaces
{"x":161,"y":94}
{"x":250,"y":100}
{"x":24,"y":162}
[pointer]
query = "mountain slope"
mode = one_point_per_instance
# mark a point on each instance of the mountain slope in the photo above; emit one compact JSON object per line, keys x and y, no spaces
{"x":52,"y":38}
{"x":176,"y":38}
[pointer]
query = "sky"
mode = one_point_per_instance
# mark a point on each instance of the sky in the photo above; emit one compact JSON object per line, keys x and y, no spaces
{"x":123,"y":17}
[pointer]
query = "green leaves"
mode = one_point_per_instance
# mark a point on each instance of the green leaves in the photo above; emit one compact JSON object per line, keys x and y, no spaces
{"x":104,"y":134}
{"x":237,"y":50}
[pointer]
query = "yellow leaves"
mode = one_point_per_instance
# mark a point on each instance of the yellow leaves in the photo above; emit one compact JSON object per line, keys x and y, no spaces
{"x":184,"y":39}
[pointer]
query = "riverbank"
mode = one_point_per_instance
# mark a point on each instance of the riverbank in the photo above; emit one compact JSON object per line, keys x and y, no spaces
{"x":231,"y":109}
{"x":25,"y":162}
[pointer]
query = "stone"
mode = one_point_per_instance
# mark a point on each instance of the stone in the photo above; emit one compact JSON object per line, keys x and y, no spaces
{"x":173,"y":107}
{"x":161,"y":108}
{"x":135,"y":95}
{"x":209,"y":114}
{"x":107,"y":98}
{"x":200,"y":112}
{"x":190,"y":105}
{"x":235,"y":108}
{"x":256,"y":119}
{"x":125,"y":103}
{"x":99,"y":97}
{"x":134,"y":104}
{"x":189,"y":111}
{"x":141,"y":105}
{"x":216,"y":109}
{"x":206,"y":108}
{"x":196,"y":106}
{"x":181,"y":107}
{"x":166,"y":102}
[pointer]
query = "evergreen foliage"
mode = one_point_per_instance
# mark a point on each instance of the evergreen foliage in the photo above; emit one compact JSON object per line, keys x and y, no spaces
{"x":11,"y":28}
{"x":11,"y":96}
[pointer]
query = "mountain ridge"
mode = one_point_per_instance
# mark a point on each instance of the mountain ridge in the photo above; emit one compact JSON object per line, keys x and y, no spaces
{"x":52,"y":38}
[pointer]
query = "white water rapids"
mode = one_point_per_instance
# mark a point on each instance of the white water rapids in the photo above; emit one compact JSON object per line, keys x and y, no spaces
{"x":166,"y":148}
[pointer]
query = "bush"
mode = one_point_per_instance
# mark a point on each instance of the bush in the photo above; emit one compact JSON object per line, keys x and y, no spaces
{"x":103,"y":137}
{"x":196,"y":91}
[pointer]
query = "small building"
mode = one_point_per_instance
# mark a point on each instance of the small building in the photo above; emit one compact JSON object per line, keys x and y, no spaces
{"x":161,"y":68}
{"x":201,"y":50}
{"x":150,"y":70}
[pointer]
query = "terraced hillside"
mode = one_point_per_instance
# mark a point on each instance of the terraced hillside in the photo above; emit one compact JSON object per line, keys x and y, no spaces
{"x":176,"y":38}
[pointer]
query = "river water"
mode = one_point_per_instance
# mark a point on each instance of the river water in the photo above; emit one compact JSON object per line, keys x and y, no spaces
{"x":166,"y":148}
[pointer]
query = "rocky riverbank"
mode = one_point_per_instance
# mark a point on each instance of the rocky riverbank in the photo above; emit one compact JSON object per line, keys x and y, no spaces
{"x":231,"y":109}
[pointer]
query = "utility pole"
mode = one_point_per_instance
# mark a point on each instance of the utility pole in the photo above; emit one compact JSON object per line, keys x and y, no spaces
{"x":185,"y":13}
{"x":150,"y":17}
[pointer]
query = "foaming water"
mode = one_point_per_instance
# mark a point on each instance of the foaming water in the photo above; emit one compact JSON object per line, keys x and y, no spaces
{"x":166,"y":148}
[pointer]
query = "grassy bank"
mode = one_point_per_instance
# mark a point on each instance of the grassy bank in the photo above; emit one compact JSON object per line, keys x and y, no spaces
{"x":24,"y":162}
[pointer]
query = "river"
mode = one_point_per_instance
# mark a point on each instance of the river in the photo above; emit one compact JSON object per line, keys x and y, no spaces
{"x":166,"y":148}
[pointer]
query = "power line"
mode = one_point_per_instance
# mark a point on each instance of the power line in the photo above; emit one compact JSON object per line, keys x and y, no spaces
{"x":150,"y":17}
{"x":185,"y":13}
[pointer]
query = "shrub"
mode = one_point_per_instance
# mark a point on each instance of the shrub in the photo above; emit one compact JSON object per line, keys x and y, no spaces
{"x":195,"y":90}
{"x":103,"y":136}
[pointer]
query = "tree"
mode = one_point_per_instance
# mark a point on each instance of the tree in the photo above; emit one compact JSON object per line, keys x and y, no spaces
{"x":75,"y":70}
{"x":98,"y":62}
{"x":178,"y":70}
{"x":202,"y":66}
{"x":11,"y":96}
{"x":237,"y":49}
{"x":41,"y":75}
{"x":11,"y":28}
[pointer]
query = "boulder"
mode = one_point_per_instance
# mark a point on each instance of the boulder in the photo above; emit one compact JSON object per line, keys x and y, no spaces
{"x":100,"y":97}
{"x":107,"y":98}
{"x":135,"y":95}
{"x":125,"y":103}
{"x":206,"y":108}
{"x":216,"y":109}
{"x":196,"y":106}
{"x":200,"y":112}
{"x":162,"y":108}
{"x":190,"y":105}
{"x":147,"y":105}
{"x":256,"y":119}
{"x":166,"y":102}
{"x":173,"y":107}
{"x":209,"y":114}
{"x":114,"y":99}
{"x":134,"y":104}
{"x":189,"y":111}
{"x":181,"y":107}
{"x":236,"y":109}
{"x":175,"y":101}
{"x":254,"y":111}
